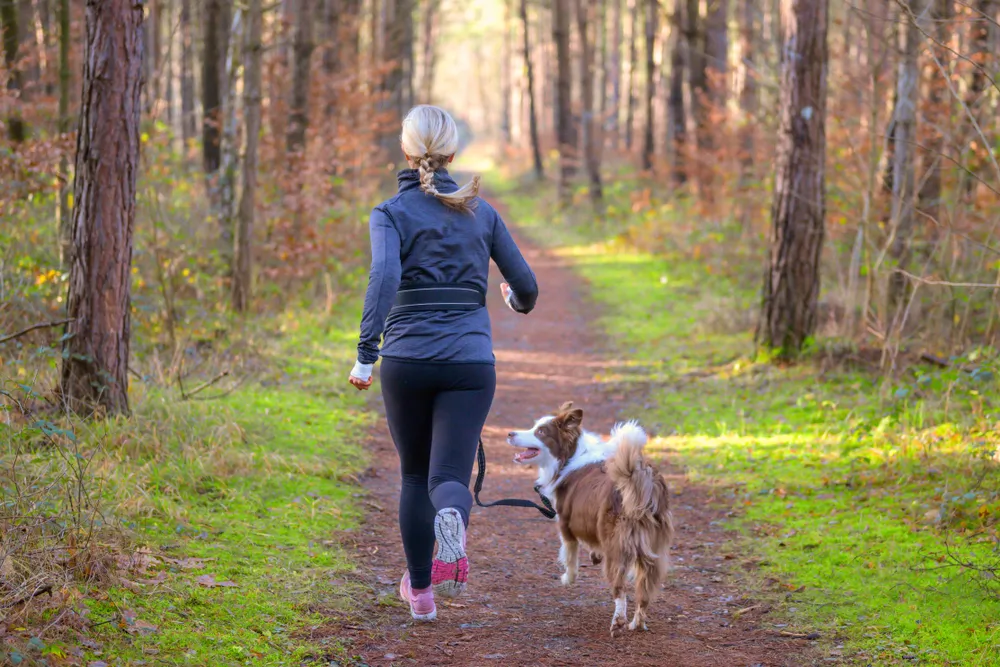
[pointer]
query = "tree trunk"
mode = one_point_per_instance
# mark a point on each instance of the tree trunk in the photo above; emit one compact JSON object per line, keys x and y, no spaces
{"x":652,"y":9}
{"x":633,"y":62}
{"x":243,"y":255}
{"x":154,"y":53}
{"x":230,"y":137}
{"x":982,"y":55}
{"x":430,"y":53}
{"x":938,"y":114}
{"x":16,"y":128}
{"x":677,"y":122}
{"x":211,"y":86}
{"x":29,"y":44}
{"x":717,"y":52}
{"x":96,"y":347}
{"x":564,"y":114}
{"x":189,"y":123}
{"x":697,"y":77}
{"x":748,"y":91}
{"x":615,"y":73}
{"x":506,"y":55}
{"x":65,"y":223}
{"x":791,"y":284}
{"x":591,"y":129}
{"x":536,"y":147}
{"x":904,"y":155}
{"x":298,"y":120}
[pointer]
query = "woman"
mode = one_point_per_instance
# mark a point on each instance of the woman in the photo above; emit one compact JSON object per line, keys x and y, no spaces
{"x":431,"y":250}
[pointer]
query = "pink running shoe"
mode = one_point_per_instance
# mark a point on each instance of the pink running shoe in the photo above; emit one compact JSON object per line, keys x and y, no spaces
{"x":450,"y":571}
{"x":421,"y":600}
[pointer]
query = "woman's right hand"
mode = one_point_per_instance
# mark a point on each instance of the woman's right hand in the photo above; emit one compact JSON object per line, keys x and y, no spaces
{"x":361,"y":385}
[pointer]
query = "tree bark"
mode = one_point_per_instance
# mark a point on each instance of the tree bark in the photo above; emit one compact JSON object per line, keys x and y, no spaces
{"x":791,"y":284}
{"x":189,"y":123}
{"x":904,"y":155}
{"x":615,"y":73}
{"x":212,"y":85}
{"x":65,"y":223}
{"x":633,"y":62}
{"x":506,"y":54}
{"x":748,"y":91}
{"x":677,"y":121}
{"x":536,"y":147}
{"x":96,"y":347}
{"x":29,"y":44}
{"x":938,"y":114}
{"x":652,"y":9}
{"x":243,"y":247}
{"x":591,"y":129}
{"x":430,"y":53}
{"x":982,"y":54}
{"x":717,"y":52}
{"x":16,"y":128}
{"x":564,"y":116}
{"x":697,"y":76}
{"x":230,"y":136}
{"x":298,"y":120}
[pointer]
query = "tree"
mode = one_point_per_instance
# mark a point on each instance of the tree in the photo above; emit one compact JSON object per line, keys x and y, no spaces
{"x":505,"y":77}
{"x":937,"y":103}
{"x":536,"y":148}
{"x":243,"y":253}
{"x":615,"y":72}
{"x":65,"y":224}
{"x":904,"y":154}
{"x":213,"y":82}
{"x":697,"y":77}
{"x":430,"y":53}
{"x":632,"y":60}
{"x":791,"y":283}
{"x":564,"y":117}
{"x":677,"y":121}
{"x":16,"y":128}
{"x":983,"y":51}
{"x":717,"y":50}
{"x":299,"y":112}
{"x":652,"y":9}
{"x":96,"y":347}
{"x":591,"y":129}
{"x":748,"y":91}
{"x":188,"y":120}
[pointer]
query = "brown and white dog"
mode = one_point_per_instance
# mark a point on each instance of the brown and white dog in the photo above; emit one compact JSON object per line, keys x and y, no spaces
{"x":607,"y":496}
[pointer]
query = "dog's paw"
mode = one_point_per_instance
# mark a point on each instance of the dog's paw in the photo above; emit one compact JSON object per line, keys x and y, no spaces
{"x":637,"y":624}
{"x":596,"y":558}
{"x":568,"y":578}
{"x":617,"y":626}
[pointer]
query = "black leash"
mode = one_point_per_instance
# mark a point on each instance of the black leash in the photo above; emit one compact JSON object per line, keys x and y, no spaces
{"x":547,"y":511}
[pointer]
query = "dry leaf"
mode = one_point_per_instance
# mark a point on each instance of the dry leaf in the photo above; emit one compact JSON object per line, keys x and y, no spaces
{"x":208,"y":581}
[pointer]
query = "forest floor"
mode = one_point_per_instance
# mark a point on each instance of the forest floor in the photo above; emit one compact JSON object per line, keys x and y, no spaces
{"x":516,"y":612}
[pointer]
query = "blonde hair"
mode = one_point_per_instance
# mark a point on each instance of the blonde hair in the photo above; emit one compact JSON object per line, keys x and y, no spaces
{"x":429,"y":138}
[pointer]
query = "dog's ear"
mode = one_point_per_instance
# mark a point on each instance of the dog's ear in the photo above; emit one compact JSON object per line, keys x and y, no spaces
{"x":572,"y":418}
{"x":566,"y":407}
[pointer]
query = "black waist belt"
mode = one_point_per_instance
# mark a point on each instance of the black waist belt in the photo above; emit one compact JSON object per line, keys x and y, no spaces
{"x":438,"y":296}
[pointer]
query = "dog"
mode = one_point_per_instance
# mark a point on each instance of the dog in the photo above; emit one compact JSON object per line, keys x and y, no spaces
{"x":607,"y":496}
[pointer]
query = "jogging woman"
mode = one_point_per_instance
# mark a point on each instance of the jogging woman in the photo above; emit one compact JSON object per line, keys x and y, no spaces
{"x":426,"y":300}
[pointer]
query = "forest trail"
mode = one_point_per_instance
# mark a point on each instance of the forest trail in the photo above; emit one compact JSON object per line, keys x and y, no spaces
{"x":515,"y":611}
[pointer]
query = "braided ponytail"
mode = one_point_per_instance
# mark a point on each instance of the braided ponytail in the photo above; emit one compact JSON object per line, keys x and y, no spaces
{"x":430,"y":138}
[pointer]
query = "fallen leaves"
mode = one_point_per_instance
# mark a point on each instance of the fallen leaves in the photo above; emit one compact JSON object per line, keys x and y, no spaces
{"x":209,"y":581}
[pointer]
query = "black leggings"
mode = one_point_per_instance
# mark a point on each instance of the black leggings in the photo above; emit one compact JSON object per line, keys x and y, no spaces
{"x":436,"y":414}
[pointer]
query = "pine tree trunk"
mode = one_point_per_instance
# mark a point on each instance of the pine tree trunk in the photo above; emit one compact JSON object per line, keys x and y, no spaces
{"x":717,"y":52}
{"x":211,"y":87}
{"x":615,"y":73}
{"x":154,"y":51}
{"x":697,"y":78}
{"x":96,"y":347}
{"x":904,"y":155}
{"x":298,"y":120}
{"x":982,"y":54}
{"x":633,"y":62}
{"x":65,"y":223}
{"x":536,"y":147}
{"x":29,"y":44}
{"x":506,"y":55}
{"x":652,"y":9}
{"x":430,"y":53}
{"x":230,"y":144}
{"x":748,"y":91}
{"x":189,"y":123}
{"x":677,"y":121}
{"x":564,"y":115}
{"x":16,"y":127}
{"x":591,"y":129}
{"x":791,"y":284}
{"x":938,"y":103}
{"x":243,"y":255}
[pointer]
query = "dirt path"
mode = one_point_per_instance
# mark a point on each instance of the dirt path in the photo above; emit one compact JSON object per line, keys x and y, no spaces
{"x":516,"y":612}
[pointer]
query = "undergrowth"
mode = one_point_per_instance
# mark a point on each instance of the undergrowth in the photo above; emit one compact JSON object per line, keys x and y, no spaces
{"x":869,"y":502}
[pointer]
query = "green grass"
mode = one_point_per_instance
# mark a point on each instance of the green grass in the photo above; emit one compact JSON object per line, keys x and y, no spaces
{"x":849,"y":484}
{"x":256,"y":484}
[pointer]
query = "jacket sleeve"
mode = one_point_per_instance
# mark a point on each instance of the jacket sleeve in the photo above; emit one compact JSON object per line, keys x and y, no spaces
{"x":383,"y":281}
{"x":515,"y":270}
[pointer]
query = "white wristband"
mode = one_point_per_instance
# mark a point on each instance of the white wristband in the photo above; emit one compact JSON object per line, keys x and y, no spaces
{"x":362,"y":371}
{"x":510,"y":295}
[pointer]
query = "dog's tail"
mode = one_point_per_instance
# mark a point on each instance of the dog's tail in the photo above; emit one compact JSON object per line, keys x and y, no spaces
{"x":641,"y":491}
